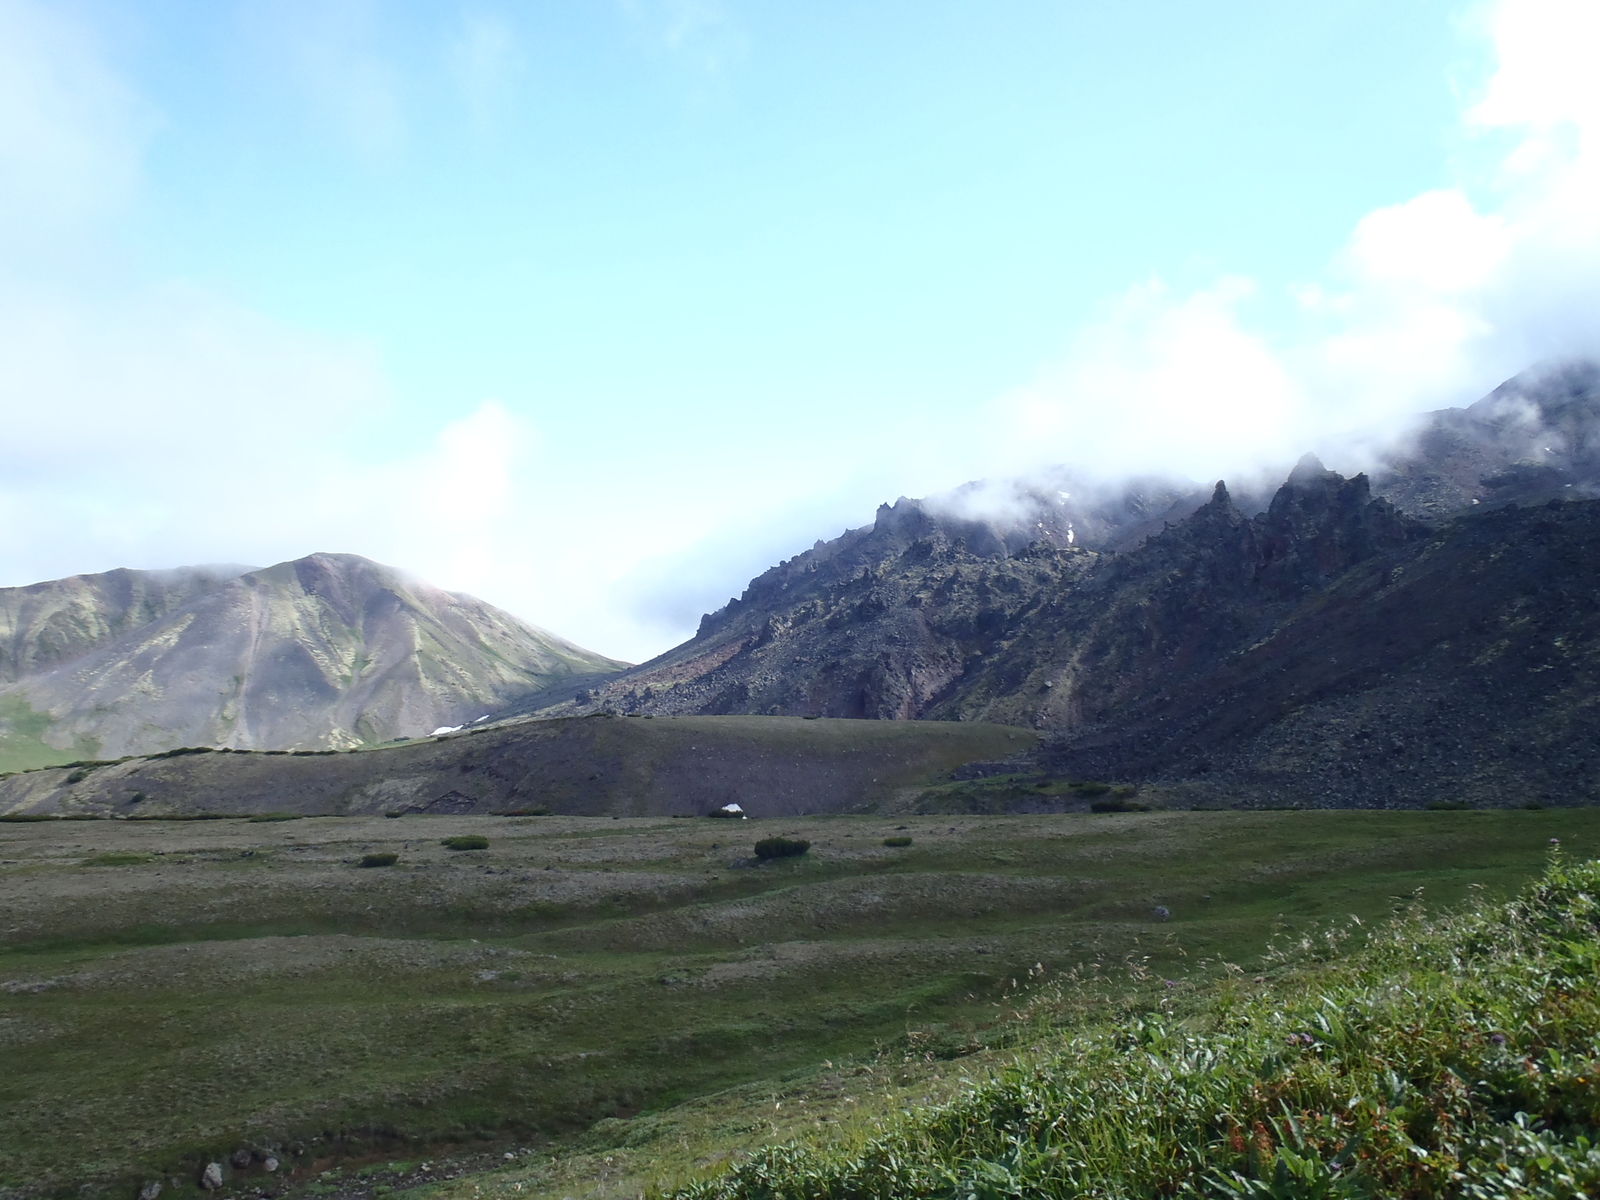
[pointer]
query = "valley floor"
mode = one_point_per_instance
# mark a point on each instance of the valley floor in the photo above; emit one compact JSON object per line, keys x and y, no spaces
{"x":608,"y":1001}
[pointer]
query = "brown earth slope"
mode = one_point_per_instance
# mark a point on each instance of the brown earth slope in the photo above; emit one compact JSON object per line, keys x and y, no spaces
{"x":588,"y":766}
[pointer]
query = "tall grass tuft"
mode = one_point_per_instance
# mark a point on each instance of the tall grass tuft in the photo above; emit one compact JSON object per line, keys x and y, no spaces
{"x":1447,"y":1057}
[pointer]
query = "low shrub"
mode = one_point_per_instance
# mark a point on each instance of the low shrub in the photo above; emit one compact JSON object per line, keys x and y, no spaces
{"x":465,"y":841}
{"x":199,"y":816}
{"x":897,"y":841}
{"x":523,"y":812}
{"x":116,"y":860}
{"x":1448,"y":806}
{"x":1117,"y":805}
{"x":181,"y":751}
{"x":29,"y":817}
{"x":379,"y":860}
{"x":276,"y":816}
{"x":781,"y":847}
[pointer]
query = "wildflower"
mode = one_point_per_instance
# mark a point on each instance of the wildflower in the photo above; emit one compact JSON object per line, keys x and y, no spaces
{"x":1498,"y":1039}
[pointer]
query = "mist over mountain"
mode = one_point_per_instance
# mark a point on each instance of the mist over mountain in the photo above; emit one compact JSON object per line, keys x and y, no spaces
{"x":327,"y":651}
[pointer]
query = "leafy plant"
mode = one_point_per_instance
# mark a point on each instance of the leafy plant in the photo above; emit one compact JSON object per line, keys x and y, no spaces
{"x":465,"y":841}
{"x":379,"y":860}
{"x":781,"y":847}
{"x":897,"y":841}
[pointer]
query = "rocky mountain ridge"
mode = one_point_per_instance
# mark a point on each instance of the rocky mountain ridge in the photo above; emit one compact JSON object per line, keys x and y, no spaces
{"x":1116,"y":643}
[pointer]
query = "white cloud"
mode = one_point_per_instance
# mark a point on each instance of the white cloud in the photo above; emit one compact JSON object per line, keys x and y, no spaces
{"x":1159,"y":382}
{"x":332,"y":51}
{"x":485,"y":60}
{"x":1432,"y":301}
{"x":700,"y":33}
{"x":70,"y":132}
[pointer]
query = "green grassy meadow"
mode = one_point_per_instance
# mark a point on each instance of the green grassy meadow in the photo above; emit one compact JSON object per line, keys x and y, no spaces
{"x":616,"y":1000}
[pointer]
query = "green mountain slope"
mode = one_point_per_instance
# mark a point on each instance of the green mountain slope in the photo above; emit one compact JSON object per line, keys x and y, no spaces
{"x":330,"y":650}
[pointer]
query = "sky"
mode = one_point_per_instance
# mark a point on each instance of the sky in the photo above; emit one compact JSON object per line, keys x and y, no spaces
{"x":595,"y":309}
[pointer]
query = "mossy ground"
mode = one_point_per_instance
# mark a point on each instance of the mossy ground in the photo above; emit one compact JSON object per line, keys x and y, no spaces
{"x":249,"y":985}
{"x":22,"y":744}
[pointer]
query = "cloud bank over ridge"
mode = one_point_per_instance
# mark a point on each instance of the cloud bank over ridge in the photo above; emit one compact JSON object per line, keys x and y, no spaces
{"x":1431,"y":301}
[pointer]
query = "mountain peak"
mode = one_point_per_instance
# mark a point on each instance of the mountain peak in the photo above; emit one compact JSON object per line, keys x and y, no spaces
{"x":325,"y":651}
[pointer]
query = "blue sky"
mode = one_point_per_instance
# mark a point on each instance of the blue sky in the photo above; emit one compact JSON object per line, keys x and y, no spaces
{"x":597,"y":308}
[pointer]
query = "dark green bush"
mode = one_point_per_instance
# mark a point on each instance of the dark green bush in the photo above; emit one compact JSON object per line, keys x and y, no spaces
{"x":379,"y":860}
{"x":897,"y":841}
{"x":465,"y":841}
{"x":781,"y":847}
{"x":541,"y":811}
{"x":79,"y":775}
{"x":181,"y":751}
{"x":1090,"y":788}
{"x":276,"y":816}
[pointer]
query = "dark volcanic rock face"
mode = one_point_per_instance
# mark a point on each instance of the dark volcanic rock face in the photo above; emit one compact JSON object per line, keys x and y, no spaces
{"x":1465,"y":667}
{"x":885,"y":620}
{"x":1178,"y":606}
{"x":1532,"y":438}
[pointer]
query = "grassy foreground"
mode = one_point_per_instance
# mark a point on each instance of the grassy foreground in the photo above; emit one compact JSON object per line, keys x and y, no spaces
{"x":616,"y":1002}
{"x":1447,"y":1057}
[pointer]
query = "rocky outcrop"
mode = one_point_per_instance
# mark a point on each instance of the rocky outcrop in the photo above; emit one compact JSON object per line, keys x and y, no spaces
{"x":1532,"y":439}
